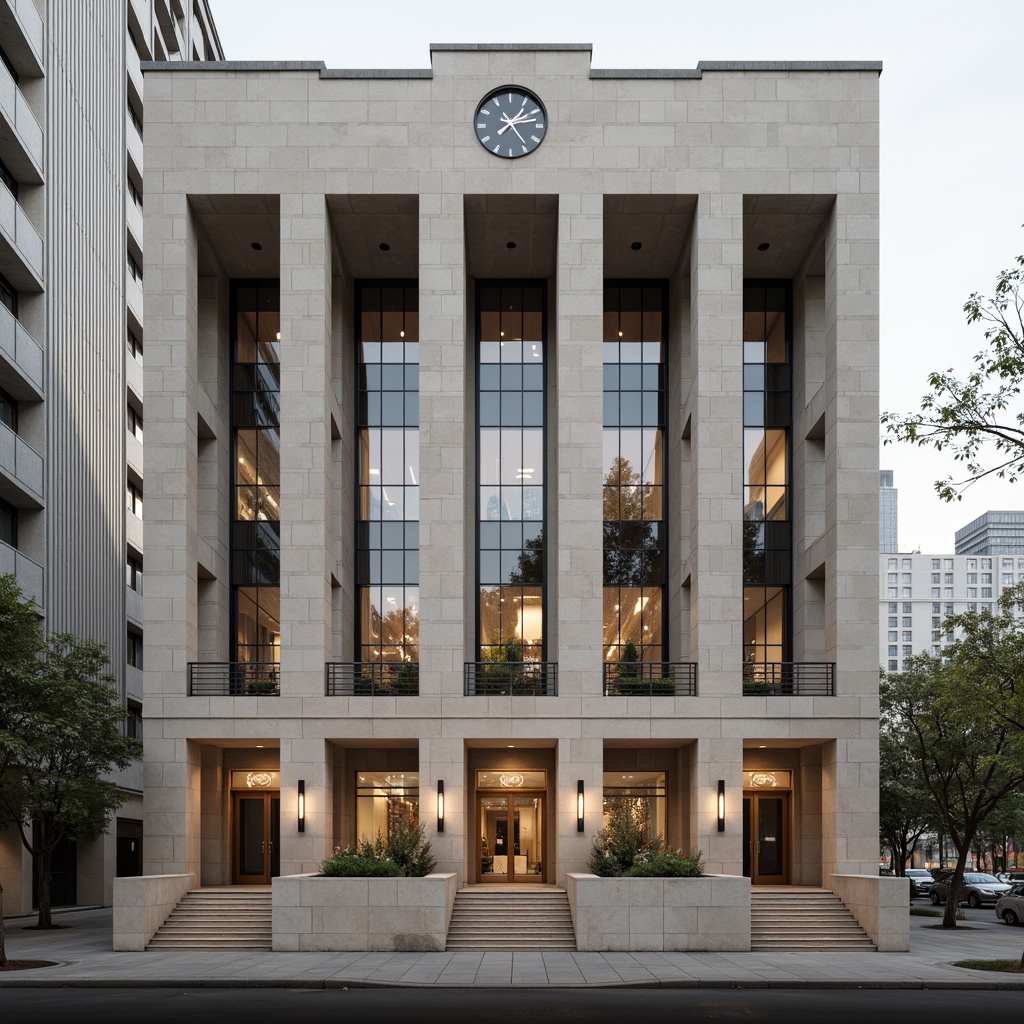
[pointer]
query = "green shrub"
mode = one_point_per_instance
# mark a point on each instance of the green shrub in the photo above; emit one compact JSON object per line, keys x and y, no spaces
{"x":625,"y":837}
{"x":669,"y":864}
{"x":349,"y":864}
{"x":403,"y":853}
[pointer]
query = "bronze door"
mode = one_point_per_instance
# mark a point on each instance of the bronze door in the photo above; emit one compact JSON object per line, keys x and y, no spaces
{"x":256,"y":847}
{"x":510,"y":827}
{"x":766,"y":855}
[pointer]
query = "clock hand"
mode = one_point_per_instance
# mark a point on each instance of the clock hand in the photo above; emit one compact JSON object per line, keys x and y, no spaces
{"x":516,"y":130}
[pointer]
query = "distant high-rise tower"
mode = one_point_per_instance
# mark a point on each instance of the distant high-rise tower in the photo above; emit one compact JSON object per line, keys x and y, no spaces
{"x":994,"y":533}
{"x":888,"y":539}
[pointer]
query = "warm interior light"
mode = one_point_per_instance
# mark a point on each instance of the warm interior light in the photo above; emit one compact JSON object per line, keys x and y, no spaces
{"x":278,"y":335}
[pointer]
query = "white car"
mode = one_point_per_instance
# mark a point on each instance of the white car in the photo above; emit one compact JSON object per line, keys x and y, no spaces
{"x":1010,"y":907}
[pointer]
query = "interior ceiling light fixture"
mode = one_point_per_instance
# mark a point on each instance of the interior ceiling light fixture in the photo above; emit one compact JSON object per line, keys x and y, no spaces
{"x":384,"y":247}
{"x":257,"y":246}
{"x":510,"y":245}
{"x":637,"y":246}
{"x":763,"y":247}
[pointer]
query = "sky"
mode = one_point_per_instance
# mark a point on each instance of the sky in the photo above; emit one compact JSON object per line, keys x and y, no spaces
{"x":952,"y":145}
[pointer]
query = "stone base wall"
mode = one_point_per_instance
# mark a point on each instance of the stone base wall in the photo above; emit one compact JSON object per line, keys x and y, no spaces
{"x":880,"y":905}
{"x":142,"y":903}
{"x":316,"y":913}
{"x":660,"y":914}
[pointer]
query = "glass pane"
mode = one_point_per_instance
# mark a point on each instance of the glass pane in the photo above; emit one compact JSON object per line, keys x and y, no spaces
{"x":529,"y":835}
{"x":494,"y":836}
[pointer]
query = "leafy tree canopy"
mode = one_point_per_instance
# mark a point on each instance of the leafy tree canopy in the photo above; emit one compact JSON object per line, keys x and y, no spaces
{"x":978,"y":418}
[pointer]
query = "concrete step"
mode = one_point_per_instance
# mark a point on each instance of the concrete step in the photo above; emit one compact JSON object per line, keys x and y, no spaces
{"x":217,"y":920}
{"x":503,"y":920}
{"x":804,"y":922}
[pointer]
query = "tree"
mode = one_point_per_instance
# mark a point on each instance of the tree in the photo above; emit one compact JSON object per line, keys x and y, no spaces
{"x":21,"y":640}
{"x":905,"y":807}
{"x":960,"y":717}
{"x":972,"y":416}
{"x":68,"y":734}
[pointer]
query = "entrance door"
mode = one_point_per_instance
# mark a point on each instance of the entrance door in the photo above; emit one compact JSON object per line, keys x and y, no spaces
{"x":511,"y":830}
{"x":256,"y":854}
{"x":766,"y":852}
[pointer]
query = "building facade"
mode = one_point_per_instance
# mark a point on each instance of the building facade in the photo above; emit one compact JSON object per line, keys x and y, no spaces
{"x":512,"y":450}
{"x":71,"y":342}
{"x":994,"y":533}
{"x":918,"y":592}
{"x":888,"y":513}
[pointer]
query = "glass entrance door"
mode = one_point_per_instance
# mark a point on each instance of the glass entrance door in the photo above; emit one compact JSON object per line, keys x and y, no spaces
{"x":511,"y":830}
{"x":256,"y":850}
{"x":766,"y":852}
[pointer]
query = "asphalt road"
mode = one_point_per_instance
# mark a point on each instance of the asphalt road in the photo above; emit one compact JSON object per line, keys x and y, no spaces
{"x":524,"y":1006}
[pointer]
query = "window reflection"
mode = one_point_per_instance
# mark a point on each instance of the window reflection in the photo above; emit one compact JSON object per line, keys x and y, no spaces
{"x":511,"y":471}
{"x":633,"y":445}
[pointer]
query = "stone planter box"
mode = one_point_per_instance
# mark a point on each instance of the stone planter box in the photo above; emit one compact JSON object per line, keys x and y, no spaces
{"x":315,"y":913}
{"x":141,"y":905}
{"x":660,"y":914}
{"x":880,"y":905}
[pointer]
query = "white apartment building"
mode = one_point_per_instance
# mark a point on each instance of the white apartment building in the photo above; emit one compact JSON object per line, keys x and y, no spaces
{"x":512,"y":435}
{"x":71,"y":348}
{"x":918,"y":592}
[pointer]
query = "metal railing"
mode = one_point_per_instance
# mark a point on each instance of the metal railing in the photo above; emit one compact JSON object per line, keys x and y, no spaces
{"x":511,"y":678}
{"x":372,"y":678}
{"x":650,"y":679}
{"x":789,"y":679}
{"x":234,"y":679}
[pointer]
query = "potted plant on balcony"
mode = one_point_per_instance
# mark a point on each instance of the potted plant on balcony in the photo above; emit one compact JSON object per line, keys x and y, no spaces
{"x":630,"y":681}
{"x":502,"y":671}
{"x":263,"y":685}
{"x":406,"y":679}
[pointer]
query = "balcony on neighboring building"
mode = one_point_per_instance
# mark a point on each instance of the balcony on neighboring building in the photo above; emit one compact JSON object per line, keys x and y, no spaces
{"x":372,"y":678}
{"x":21,"y":246}
{"x":789,"y":679}
{"x":650,"y":679}
{"x":28,"y":573}
{"x":21,"y":137}
{"x":511,"y":678}
{"x":234,"y":679}
{"x":21,"y":471}
{"x":20,"y":356}
{"x":21,"y":26}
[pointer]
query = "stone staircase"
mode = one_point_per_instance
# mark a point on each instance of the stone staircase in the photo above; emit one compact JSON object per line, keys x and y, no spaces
{"x":234,"y":918}
{"x":487,"y":918}
{"x":803,"y":921}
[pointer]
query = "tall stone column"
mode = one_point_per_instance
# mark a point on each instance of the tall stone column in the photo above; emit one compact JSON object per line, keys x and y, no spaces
{"x":446,"y":619}
{"x":307,"y":557}
{"x":172,"y":810}
{"x":574,"y":443}
{"x":716,"y":508}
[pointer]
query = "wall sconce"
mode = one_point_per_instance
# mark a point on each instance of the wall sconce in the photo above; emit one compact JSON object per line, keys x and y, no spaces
{"x":440,"y":805}
{"x":579,"y":806}
{"x":302,"y":805}
{"x":721,"y":805}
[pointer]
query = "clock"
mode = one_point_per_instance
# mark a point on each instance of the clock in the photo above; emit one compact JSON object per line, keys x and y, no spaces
{"x":510,"y":122}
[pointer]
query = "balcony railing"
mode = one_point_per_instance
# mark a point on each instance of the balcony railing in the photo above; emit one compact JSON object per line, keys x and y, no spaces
{"x":789,"y":679}
{"x":650,"y":679}
{"x":234,"y":679}
{"x":372,"y":678}
{"x":511,"y":678}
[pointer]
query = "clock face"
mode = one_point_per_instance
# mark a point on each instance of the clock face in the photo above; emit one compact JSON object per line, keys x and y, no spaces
{"x":510,"y":122}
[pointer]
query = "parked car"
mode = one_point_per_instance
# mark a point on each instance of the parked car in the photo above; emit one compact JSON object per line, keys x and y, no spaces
{"x":1010,"y":908}
{"x":978,"y":888}
{"x":920,"y":881}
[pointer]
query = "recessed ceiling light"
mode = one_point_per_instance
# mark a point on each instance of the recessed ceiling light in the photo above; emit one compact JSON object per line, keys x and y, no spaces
{"x":510,"y":245}
{"x":257,"y":246}
{"x":762,"y":746}
{"x":511,"y":746}
{"x":763,"y":247}
{"x":637,"y":246}
{"x":259,"y":746}
{"x":384,"y":247}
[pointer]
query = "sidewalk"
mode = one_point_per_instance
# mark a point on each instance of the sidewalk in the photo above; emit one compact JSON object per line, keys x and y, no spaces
{"x":84,"y":959}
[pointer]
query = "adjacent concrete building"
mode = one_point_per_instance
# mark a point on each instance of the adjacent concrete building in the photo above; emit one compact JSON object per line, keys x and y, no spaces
{"x":512,"y":449}
{"x":71,"y":342}
{"x":994,"y":533}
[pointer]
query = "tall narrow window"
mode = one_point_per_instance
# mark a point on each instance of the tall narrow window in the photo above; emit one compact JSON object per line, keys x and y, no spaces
{"x":511,"y":459}
{"x":256,"y":456}
{"x":767,"y":537}
{"x":388,"y":529}
{"x":634,"y":504}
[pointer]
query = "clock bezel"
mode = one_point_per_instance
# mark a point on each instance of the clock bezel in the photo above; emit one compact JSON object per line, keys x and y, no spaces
{"x":488,"y":96}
